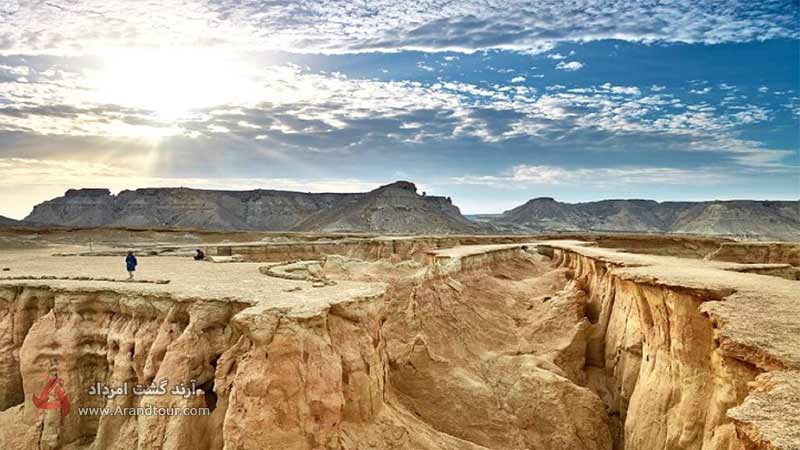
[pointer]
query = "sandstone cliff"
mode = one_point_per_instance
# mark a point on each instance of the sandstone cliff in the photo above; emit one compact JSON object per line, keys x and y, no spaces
{"x":393,"y":208}
{"x":741,"y":218}
{"x":432,"y":364}
{"x":540,"y":345}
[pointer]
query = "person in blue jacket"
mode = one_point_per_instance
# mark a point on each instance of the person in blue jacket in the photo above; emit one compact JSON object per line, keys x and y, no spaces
{"x":130,"y":262}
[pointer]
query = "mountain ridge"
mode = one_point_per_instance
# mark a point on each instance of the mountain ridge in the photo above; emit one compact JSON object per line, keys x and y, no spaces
{"x":9,"y":222}
{"x":763,"y":218}
{"x":260,"y":209}
{"x":398,"y":208}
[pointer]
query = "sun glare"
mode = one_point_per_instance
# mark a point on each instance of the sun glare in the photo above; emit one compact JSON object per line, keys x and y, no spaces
{"x":173,"y":82}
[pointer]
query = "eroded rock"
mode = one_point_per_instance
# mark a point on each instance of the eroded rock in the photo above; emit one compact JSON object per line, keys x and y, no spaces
{"x":501,"y":347}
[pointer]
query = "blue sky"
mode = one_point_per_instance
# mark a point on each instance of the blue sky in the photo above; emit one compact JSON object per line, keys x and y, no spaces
{"x":491,"y":103}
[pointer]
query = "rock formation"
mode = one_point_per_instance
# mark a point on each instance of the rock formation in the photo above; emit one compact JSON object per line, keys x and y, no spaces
{"x":398,"y":208}
{"x":514,"y":346}
{"x":392,"y":208}
{"x":741,"y":218}
{"x":7,"y":222}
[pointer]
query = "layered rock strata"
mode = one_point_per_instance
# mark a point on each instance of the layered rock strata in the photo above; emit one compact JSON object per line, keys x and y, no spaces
{"x":502,"y":347}
{"x":686,"y":354}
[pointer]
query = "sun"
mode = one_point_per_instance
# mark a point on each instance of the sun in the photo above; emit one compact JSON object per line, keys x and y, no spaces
{"x":171,"y":83}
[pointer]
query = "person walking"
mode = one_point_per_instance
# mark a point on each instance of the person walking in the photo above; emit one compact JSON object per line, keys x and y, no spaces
{"x":131,"y":263}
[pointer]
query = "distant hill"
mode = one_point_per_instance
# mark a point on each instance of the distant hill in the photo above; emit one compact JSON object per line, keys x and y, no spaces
{"x":7,"y":222}
{"x":398,"y":208}
{"x":392,"y":208}
{"x":744,"y":218}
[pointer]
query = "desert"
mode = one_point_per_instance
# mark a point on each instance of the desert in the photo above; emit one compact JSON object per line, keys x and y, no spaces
{"x":307,"y":341}
{"x":399,"y":225}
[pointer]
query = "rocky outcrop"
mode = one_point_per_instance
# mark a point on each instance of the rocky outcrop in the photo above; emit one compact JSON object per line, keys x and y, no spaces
{"x":269,"y":378}
{"x":758,"y":253}
{"x":370,"y":249}
{"x":392,"y":208}
{"x":433,"y":364}
{"x":741,"y":218}
{"x":681,"y":357}
{"x":504,"y":347}
{"x":493,"y":353}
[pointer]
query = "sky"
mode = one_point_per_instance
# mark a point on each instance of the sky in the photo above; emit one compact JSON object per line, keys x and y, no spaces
{"x":489,"y":102}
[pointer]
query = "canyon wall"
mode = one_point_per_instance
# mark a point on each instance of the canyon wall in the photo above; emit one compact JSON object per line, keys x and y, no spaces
{"x":84,"y":337}
{"x":271,"y":378}
{"x":664,"y":380}
{"x":671,"y":368}
{"x":355,"y":373}
{"x":501,"y":347}
{"x":371,"y":249}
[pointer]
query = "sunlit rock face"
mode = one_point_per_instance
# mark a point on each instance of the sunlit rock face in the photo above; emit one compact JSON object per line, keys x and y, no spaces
{"x":496,"y":357}
{"x":358,"y":374}
{"x":653,"y":355}
{"x":102,"y":337}
{"x":494,"y":346}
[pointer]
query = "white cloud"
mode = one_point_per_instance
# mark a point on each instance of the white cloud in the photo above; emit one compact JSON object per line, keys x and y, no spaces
{"x":518,"y":79}
{"x":556,"y":56}
{"x":290,"y":109}
{"x":626,"y":90}
{"x":703,"y":91}
{"x":763,"y":89}
{"x":794,"y":106}
{"x":524,"y":176}
{"x":569,"y":66}
{"x":283,"y":99}
{"x":340,"y":26}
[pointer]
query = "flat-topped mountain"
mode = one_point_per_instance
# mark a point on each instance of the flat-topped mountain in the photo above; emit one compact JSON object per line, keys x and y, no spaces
{"x":392,"y":208}
{"x":398,"y":208}
{"x":395,"y":208}
{"x":746,"y":218}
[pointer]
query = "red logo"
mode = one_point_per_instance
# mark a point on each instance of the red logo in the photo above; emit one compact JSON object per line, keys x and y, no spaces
{"x":53,"y":386}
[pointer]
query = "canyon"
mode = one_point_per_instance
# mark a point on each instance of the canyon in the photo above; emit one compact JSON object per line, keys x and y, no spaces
{"x":307,"y":341}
